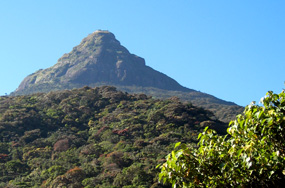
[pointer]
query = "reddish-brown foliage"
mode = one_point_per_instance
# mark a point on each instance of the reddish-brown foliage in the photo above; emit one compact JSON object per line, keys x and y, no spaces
{"x":3,"y":157}
{"x":61,"y":145}
{"x":124,"y":132}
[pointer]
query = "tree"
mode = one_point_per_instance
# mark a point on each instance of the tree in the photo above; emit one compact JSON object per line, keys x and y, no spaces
{"x":252,"y":154}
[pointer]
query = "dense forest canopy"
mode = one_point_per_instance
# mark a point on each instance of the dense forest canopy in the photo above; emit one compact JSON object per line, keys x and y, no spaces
{"x":93,"y":137}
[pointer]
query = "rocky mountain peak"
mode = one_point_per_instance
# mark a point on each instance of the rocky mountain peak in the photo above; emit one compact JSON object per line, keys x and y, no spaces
{"x":99,"y":59}
{"x":100,"y":38}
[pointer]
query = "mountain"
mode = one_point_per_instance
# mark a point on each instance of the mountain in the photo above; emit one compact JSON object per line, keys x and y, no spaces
{"x":93,"y":137}
{"x":100,"y":60}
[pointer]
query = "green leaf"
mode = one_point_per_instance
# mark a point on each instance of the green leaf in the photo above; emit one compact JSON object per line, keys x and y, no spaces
{"x":199,"y":136}
{"x":239,"y":152}
{"x":177,"y":144}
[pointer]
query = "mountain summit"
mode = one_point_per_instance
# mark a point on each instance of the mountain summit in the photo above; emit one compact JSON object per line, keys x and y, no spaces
{"x":99,"y":59}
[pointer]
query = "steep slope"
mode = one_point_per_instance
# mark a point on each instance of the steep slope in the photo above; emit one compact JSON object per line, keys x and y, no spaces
{"x":92,"y":137}
{"x":100,"y":59}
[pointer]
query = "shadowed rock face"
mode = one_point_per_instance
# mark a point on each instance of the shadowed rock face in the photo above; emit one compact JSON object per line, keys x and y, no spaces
{"x":99,"y":58}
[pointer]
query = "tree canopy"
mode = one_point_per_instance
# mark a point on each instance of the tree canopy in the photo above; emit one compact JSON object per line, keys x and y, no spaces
{"x":92,"y":137}
{"x":252,"y":154}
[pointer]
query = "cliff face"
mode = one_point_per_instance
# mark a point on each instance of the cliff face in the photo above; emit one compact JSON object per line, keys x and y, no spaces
{"x":99,"y":59}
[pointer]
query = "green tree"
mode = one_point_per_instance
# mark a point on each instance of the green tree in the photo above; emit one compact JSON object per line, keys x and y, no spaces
{"x":252,"y":154}
{"x":16,"y":167}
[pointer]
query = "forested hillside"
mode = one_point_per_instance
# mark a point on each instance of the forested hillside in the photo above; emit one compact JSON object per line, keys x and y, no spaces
{"x":93,"y":137}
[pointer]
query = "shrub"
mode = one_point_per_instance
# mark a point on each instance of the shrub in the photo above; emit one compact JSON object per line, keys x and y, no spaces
{"x":251,"y":155}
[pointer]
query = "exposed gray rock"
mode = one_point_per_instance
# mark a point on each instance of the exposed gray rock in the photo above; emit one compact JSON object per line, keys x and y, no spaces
{"x":100,"y":58}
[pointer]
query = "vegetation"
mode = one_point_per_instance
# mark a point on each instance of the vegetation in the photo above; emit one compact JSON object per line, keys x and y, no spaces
{"x":252,"y":154}
{"x":93,"y":137}
{"x":224,"y":111}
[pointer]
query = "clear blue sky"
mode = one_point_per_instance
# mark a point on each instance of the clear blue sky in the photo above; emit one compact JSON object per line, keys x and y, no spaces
{"x":234,"y":50}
